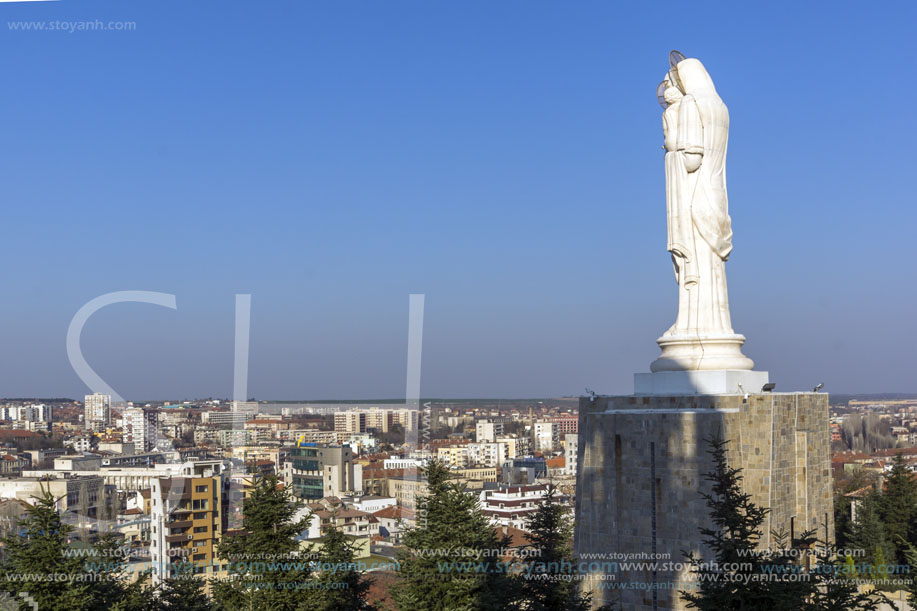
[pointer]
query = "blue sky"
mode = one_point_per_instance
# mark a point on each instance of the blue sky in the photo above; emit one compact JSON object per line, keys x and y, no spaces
{"x":503,"y":158}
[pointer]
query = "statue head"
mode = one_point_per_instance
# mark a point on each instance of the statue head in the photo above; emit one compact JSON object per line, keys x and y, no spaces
{"x":692,"y":78}
{"x":671,"y":95}
{"x":667,"y":93}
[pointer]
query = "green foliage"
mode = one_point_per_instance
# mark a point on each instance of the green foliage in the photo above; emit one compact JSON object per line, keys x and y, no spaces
{"x":911,"y":554}
{"x":339,"y":585}
{"x":185,"y":593}
{"x":274,"y":576}
{"x":544,"y":587}
{"x":38,"y":562}
{"x":867,"y":532}
{"x":452,"y":558}
{"x":897,"y":507}
{"x":39,"y":552}
{"x":776,"y":581}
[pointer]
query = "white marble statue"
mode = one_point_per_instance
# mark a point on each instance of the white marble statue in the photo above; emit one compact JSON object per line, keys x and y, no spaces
{"x":696,"y":127}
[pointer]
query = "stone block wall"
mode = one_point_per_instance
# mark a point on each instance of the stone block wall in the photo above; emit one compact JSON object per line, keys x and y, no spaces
{"x":640,"y":474}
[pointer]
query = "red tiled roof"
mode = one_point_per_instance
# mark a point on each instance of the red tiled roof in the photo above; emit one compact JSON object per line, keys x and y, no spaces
{"x":395,"y":513}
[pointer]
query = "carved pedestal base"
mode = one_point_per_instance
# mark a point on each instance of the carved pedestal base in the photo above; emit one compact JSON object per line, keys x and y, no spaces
{"x":693,"y":353}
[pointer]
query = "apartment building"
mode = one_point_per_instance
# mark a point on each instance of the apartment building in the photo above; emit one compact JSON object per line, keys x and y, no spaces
{"x":487,"y":431}
{"x":315,"y":471}
{"x":487,"y":454}
{"x":140,"y":427}
{"x":547,"y":436}
{"x":96,"y":412}
{"x":454,"y":456}
{"x":565,"y":424}
{"x":187,"y":523}
{"x":512,"y":505}
{"x":570,"y":446}
{"x":350,"y":422}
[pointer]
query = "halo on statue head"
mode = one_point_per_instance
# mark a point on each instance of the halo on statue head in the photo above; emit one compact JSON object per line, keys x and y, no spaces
{"x":660,"y":92}
{"x":674,"y":58}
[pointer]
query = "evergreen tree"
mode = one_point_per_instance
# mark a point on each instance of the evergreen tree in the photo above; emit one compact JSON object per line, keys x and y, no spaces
{"x":898,"y":507}
{"x":40,"y":561}
{"x":110,"y":587}
{"x":270,"y":574}
{"x":183,"y":594}
{"x":737,"y":578}
{"x":452,"y":558}
{"x":866,"y":532}
{"x":839,"y":591}
{"x":339,"y":585}
{"x":40,"y":552}
{"x":549,"y":582}
{"x":911,"y":554}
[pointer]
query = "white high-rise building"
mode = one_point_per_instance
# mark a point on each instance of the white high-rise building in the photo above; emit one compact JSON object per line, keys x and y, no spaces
{"x":570,"y":442}
{"x":487,"y":431}
{"x":140,"y":427}
{"x":547,"y":436}
{"x":37,"y":412}
{"x":96,"y":412}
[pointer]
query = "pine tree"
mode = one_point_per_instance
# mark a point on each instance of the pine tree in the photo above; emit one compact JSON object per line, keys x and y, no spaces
{"x":339,"y":584}
{"x":451,"y":559}
{"x":40,"y":551}
{"x":39,"y":561}
{"x":867,"y":532}
{"x":183,"y":594}
{"x":897,"y":507}
{"x":911,"y":554}
{"x":271,"y":575}
{"x":879,"y":564}
{"x":549,"y":582}
{"x":734,"y":540}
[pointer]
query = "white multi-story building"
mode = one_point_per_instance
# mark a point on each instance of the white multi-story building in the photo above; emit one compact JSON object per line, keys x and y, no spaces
{"x":487,"y":431}
{"x":31,"y":417}
{"x":512,"y":506}
{"x":570,"y":443}
{"x":404,"y":463}
{"x":515,"y":446}
{"x":547,"y":436}
{"x":487,"y":454}
{"x":96,"y":412}
{"x":140,"y":427}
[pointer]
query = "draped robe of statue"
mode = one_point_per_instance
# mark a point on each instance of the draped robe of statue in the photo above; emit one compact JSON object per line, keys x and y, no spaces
{"x":696,"y":128}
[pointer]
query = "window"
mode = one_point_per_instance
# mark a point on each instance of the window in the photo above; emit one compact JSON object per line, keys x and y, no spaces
{"x":199,"y":504}
{"x":202,"y":488}
{"x":200,"y":515}
{"x":200,"y":529}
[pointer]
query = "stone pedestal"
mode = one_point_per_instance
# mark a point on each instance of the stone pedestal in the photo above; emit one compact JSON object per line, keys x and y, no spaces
{"x":640,"y":475}
{"x":720,"y":382}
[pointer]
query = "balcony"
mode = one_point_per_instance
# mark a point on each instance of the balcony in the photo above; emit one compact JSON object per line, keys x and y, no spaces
{"x":177,"y":538}
{"x":179,"y":524}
